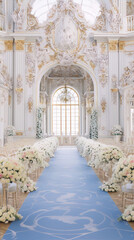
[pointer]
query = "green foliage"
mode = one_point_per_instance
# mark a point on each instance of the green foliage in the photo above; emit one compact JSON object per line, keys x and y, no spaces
{"x":39,"y":120}
{"x":94,"y":125}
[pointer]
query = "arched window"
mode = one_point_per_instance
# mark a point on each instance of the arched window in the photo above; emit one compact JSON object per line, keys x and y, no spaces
{"x":65,"y":110}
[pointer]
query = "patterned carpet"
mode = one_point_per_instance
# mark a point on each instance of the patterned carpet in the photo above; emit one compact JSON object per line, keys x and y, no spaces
{"x":69,"y":205}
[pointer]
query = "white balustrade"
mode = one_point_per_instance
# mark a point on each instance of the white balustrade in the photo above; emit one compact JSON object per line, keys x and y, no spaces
{"x":130,"y":23}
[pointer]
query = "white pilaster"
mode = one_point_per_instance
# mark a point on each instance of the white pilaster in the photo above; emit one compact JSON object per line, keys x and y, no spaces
{"x":3,"y":112}
{"x":83,"y":119}
{"x":30,"y":88}
{"x":8,"y":60}
{"x":113,"y":83}
{"x":19,"y":86}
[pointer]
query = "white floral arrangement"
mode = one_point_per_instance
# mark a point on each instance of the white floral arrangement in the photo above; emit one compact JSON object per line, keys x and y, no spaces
{"x":99,"y":155}
{"x":10,"y":131}
{"x":46,"y":149}
{"x":81,"y":143}
{"x":47,"y":146}
{"x":23,"y":149}
{"x":8,"y":214}
{"x":12,"y":171}
{"x":124,"y":169}
{"x":29,"y":186}
{"x":117,"y":130}
{"x":95,"y":159}
{"x":109,"y":186}
{"x":31,"y":159}
{"x":128,"y":214}
{"x":109,"y":156}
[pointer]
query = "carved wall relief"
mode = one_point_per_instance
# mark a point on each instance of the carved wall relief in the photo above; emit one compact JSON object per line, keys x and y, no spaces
{"x":4,"y":76}
{"x":103,"y":64}
{"x":75,"y":45}
{"x":103,"y":105}
{"x":114,"y":89}
{"x":30,"y":64}
{"x":128,"y":75}
{"x":19,"y":89}
{"x":30,"y":104}
{"x":113,"y":17}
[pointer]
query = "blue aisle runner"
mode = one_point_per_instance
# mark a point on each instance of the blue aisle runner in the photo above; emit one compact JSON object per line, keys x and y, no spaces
{"x":69,"y":205}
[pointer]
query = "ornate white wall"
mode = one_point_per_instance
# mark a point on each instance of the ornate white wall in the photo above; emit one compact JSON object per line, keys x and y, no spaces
{"x":104,"y":51}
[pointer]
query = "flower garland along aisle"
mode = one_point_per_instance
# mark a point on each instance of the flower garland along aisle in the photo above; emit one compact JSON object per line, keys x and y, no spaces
{"x":36,"y":156}
{"x":48,"y":146}
{"x":128,"y":214}
{"x":11,"y":171}
{"x":108,"y":158}
{"x":109,"y":186}
{"x":30,"y":185}
{"x":100,"y":156}
{"x":32,"y":159}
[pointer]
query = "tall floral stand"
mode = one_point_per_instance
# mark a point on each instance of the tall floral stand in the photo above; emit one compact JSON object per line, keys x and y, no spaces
{"x":5,"y":195}
{"x":117,"y":138}
{"x":7,"y":213}
{"x":9,"y":139}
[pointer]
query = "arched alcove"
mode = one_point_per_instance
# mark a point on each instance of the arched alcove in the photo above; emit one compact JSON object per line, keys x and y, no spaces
{"x":75,"y":78}
{"x":88,"y":70}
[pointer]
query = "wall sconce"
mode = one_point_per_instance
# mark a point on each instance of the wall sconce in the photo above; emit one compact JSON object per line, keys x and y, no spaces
{"x":30,"y":104}
{"x":19,"y":90}
{"x":103,"y":105}
{"x":89,"y":110}
{"x":114,"y":90}
{"x":89,"y":106}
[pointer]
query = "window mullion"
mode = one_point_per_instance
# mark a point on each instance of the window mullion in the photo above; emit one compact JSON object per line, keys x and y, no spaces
{"x":61,"y":120}
{"x":65,"y":120}
{"x":70,"y":121}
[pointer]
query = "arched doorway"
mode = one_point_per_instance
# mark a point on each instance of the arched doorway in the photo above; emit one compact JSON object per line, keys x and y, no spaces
{"x":65,"y":113}
{"x":80,"y":86}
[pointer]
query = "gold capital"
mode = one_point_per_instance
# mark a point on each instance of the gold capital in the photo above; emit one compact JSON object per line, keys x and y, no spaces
{"x":19,"y":45}
{"x":121,"y":45}
{"x":113,"y":45}
{"x":8,"y":45}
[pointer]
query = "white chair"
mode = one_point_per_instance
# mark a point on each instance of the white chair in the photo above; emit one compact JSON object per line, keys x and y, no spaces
{"x":127,"y":193}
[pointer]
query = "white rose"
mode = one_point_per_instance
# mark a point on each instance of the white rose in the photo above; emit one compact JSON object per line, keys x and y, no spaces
{"x":128,"y":218}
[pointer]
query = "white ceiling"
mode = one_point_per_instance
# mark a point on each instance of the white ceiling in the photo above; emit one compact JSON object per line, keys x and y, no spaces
{"x":66,"y":72}
{"x":90,"y":8}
